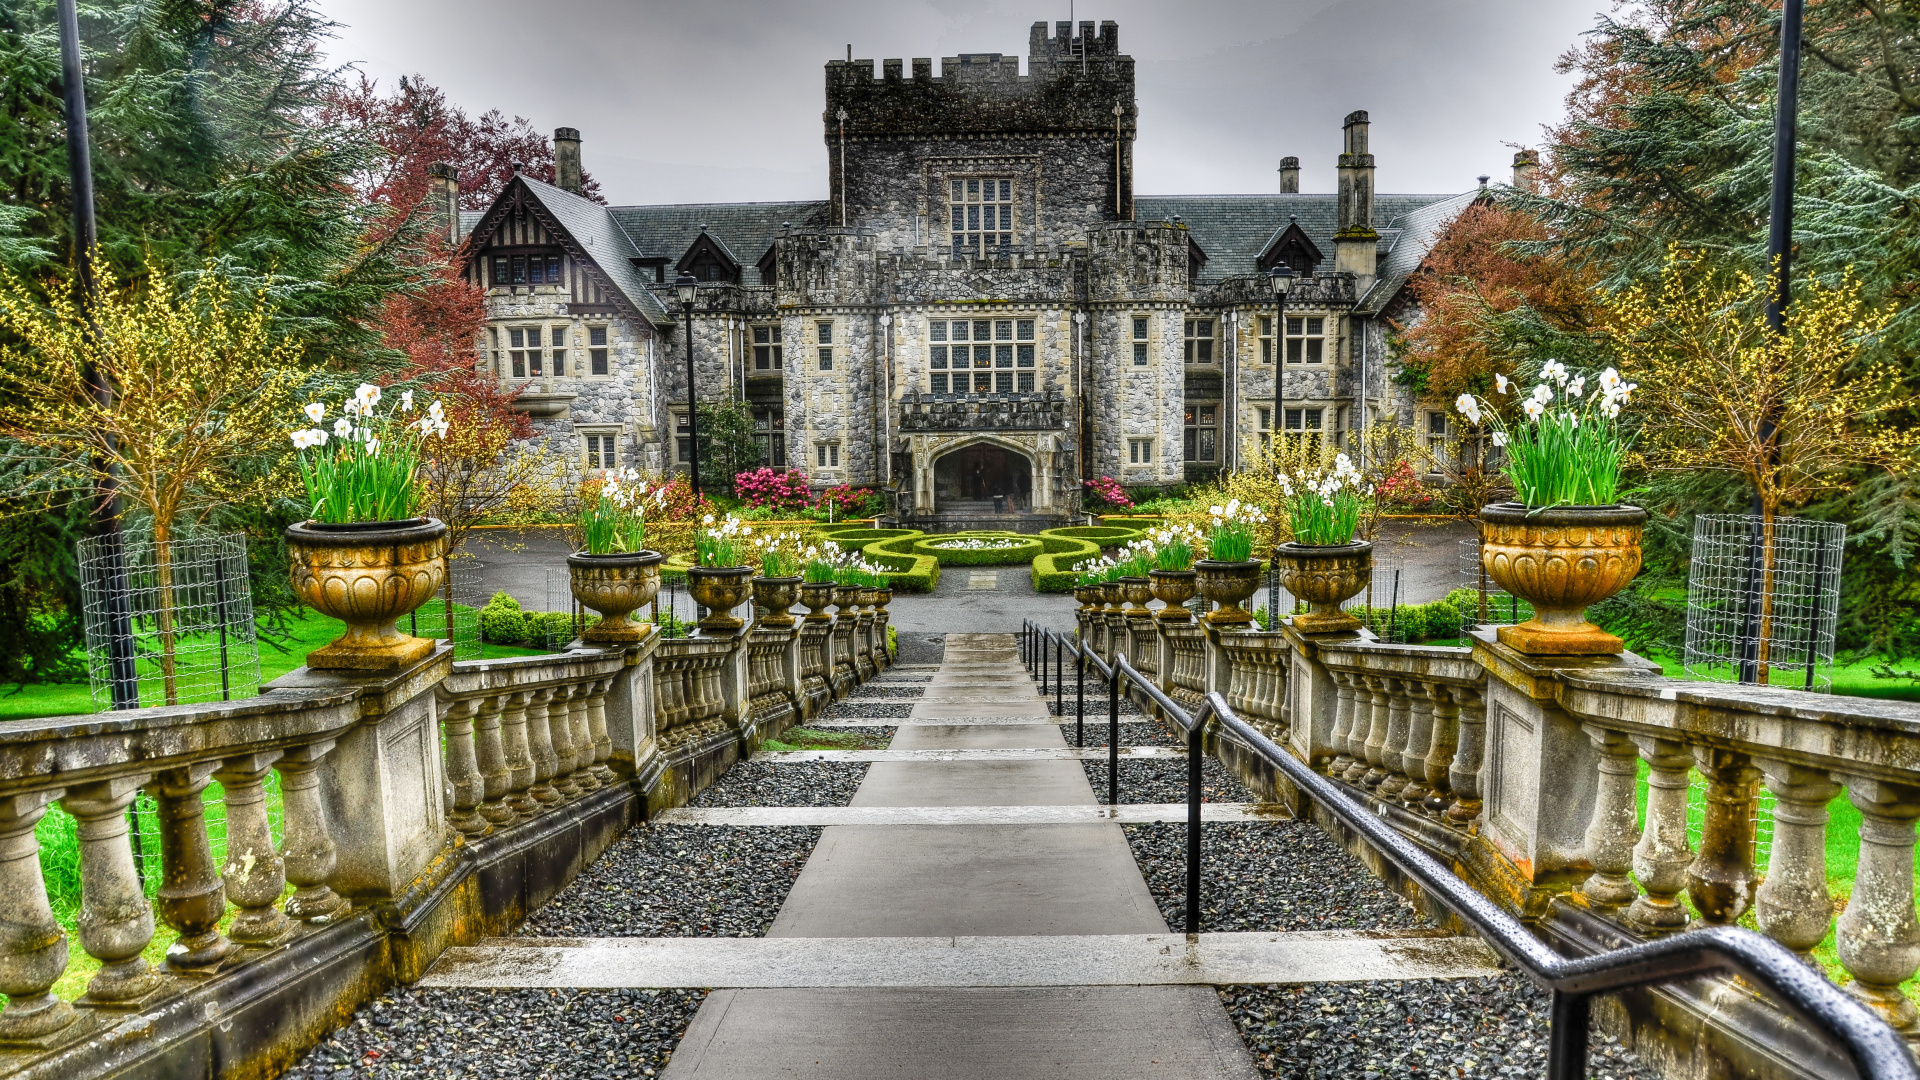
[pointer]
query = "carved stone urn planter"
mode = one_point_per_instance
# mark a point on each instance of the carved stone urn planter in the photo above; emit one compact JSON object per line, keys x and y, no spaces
{"x":720,"y":589}
{"x":817,"y":596}
{"x":845,"y":597}
{"x":775,"y":597}
{"x":1561,"y":560}
{"x":1228,"y":584}
{"x":884,"y":597}
{"x":868,"y":598}
{"x":1172,"y":588}
{"x":367,"y":575}
{"x":1112,"y":593}
{"x":1089,"y":597}
{"x":1136,"y":591}
{"x":1326,"y":576}
{"x":615,"y":585}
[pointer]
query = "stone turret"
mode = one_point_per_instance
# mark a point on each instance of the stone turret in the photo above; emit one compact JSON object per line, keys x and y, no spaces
{"x":1289,"y":175}
{"x":444,"y":199}
{"x":1356,"y":242}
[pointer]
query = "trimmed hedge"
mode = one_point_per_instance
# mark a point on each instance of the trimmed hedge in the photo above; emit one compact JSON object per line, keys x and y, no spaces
{"x":906,"y":571}
{"x":1023,"y":553}
{"x":1051,"y":571}
{"x":1104,"y":535}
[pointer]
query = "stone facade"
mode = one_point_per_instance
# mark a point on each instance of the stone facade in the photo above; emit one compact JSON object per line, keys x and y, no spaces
{"x":979,"y":316}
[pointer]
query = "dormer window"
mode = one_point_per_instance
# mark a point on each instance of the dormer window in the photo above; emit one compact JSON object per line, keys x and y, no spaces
{"x":536,"y":268}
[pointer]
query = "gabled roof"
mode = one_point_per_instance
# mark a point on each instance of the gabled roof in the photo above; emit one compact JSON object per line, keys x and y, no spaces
{"x":1290,"y":235}
{"x":746,"y":230}
{"x":595,"y":234}
{"x":708,"y":242}
{"x":1235,"y":229}
{"x":1414,"y":234}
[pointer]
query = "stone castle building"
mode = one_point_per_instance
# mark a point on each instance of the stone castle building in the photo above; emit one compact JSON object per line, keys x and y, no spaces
{"x":979,"y":316}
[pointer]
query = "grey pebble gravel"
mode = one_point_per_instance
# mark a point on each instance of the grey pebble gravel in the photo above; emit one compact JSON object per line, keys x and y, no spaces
{"x":1164,"y":780}
{"x":505,"y":1034}
{"x":1266,"y":876}
{"x":867,"y":710}
{"x":680,"y":881}
{"x":879,"y":692}
{"x":1468,"y":1029}
{"x":1132,"y":733}
{"x":799,"y":783}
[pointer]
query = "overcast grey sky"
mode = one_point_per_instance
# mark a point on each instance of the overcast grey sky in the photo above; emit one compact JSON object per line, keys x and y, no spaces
{"x":720,"y":100}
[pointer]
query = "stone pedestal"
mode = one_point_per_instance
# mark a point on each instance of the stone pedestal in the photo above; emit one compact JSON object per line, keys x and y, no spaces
{"x":384,"y":787}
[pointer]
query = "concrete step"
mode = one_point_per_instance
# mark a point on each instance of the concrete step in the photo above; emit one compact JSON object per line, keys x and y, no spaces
{"x":1058,"y":960}
{"x":1060,"y":753}
{"x":1124,"y":814}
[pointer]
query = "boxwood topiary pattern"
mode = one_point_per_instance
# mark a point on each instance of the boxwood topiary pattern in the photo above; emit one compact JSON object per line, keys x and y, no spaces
{"x":1023,"y":552}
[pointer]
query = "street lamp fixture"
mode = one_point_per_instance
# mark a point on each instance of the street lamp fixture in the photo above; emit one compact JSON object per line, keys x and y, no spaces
{"x":1281,"y":278}
{"x":688,"y":287}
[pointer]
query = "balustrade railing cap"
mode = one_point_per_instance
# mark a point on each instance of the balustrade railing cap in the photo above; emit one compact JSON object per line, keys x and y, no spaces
{"x":472,"y":677}
{"x":379,"y":693}
{"x":1901,"y":716}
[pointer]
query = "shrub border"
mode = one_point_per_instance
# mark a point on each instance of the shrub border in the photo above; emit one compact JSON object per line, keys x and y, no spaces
{"x":1030,"y":547}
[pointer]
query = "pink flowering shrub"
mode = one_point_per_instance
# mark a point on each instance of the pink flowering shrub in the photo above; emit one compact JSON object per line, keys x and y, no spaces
{"x":1106,"y":491}
{"x":848,"y":501}
{"x":785,"y":489}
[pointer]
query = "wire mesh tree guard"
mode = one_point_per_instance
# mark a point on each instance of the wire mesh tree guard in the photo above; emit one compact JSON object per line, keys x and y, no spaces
{"x":1763,"y":601}
{"x":190,"y":609}
{"x":1497,"y":606}
{"x":565,"y":620}
{"x":454,"y":615}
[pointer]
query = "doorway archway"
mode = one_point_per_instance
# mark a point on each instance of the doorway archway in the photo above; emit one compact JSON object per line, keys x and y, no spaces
{"x":983,"y":477}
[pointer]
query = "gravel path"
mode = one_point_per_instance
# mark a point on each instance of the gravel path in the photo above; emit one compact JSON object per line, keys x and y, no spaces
{"x":680,"y":881}
{"x":1455,"y":1028}
{"x":505,"y":1034}
{"x":1134,"y":733}
{"x":798,"y":783}
{"x":867,"y":710}
{"x":877,"y":692}
{"x":1278,"y":876}
{"x":1165,"y":781}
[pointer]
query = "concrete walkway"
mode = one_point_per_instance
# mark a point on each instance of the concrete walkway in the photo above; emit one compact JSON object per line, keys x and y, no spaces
{"x":918,"y":881}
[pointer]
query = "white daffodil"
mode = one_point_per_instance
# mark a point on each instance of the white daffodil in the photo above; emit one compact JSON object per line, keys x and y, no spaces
{"x":1543,"y":394}
{"x":373,"y":446}
{"x":1578,"y":388}
{"x":1469,"y":408}
{"x":1500,"y":382}
{"x":343,"y":428}
{"x":434,"y":408}
{"x":1534,"y":408}
{"x":1609,"y":379}
{"x":367,"y":396}
{"x":708,"y":520}
{"x":316,"y":411}
{"x":406,"y":401}
{"x":1556,"y":371}
{"x":350,"y":408}
{"x":1499,"y":438}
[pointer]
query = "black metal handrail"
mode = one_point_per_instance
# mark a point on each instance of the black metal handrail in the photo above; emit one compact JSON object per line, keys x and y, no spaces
{"x":1877,"y":1051}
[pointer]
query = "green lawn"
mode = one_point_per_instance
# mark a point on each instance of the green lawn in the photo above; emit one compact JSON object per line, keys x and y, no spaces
{"x":276,"y":659}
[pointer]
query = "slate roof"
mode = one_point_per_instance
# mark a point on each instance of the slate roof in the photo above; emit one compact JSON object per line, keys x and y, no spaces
{"x":746,"y":230}
{"x":597,"y":230}
{"x":1234,"y":229}
{"x":1418,"y":229}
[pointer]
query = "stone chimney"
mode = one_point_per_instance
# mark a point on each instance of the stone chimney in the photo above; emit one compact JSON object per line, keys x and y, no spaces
{"x":1355,"y":244}
{"x":443,"y":194}
{"x":1289,"y":176}
{"x":566,"y":160}
{"x":1526,"y":171}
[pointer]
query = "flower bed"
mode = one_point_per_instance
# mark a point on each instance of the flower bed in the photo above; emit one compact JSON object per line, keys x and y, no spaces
{"x":998,"y":549}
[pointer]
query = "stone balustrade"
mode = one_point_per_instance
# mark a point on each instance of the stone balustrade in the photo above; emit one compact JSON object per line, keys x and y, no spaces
{"x":418,"y":810}
{"x":1526,"y":773}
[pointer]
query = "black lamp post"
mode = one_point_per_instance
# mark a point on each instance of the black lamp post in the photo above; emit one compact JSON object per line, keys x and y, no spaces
{"x":688,"y":287}
{"x":1281,"y":275}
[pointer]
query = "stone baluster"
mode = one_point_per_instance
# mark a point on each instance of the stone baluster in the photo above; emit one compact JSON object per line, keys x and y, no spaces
{"x":306,"y":844}
{"x":1440,"y":753}
{"x":1464,"y":774}
{"x":1386,"y":773}
{"x":521,"y":765}
{"x":463,"y":769}
{"x":192,"y":897}
{"x":1342,"y":723}
{"x":1661,"y":858}
{"x":1413,"y":757}
{"x":1613,"y":830}
{"x":597,"y":724}
{"x":560,"y":731}
{"x":1792,"y":905}
{"x":255,"y":874}
{"x":1877,"y":936}
{"x":490,"y":756}
{"x":540,"y":742}
{"x":115,"y":922}
{"x":1367,"y":747}
{"x":1721,"y":881}
{"x":580,"y":728}
{"x":33,"y":948}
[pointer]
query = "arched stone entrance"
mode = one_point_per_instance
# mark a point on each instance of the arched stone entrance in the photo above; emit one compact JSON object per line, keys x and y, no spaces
{"x":983,"y":479}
